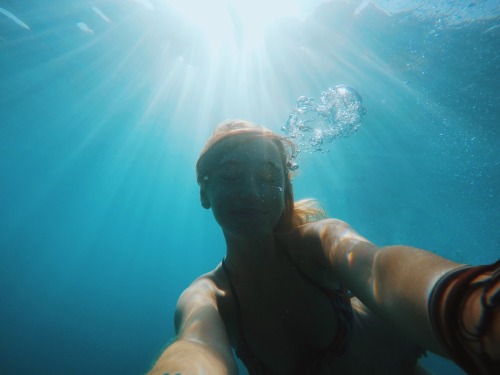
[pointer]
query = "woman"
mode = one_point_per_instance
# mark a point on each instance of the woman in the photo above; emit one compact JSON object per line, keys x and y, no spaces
{"x":278,"y":296}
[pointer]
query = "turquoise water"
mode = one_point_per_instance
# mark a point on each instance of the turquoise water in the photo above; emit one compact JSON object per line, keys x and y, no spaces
{"x":105,"y":106}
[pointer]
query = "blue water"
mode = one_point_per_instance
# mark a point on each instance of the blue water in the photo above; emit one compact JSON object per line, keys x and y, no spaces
{"x":105,"y":106}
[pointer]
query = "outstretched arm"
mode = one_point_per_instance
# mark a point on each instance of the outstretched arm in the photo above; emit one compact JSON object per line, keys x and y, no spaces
{"x":202,"y":345}
{"x":395,"y":281}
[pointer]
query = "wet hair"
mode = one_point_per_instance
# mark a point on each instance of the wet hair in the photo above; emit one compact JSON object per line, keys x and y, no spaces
{"x":295,"y":213}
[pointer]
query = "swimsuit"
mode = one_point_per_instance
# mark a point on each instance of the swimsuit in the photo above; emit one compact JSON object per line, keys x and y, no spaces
{"x":451,"y":292}
{"x":341,"y":303}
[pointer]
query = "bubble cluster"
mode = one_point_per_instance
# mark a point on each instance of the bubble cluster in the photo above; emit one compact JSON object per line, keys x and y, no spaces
{"x":313,"y":127}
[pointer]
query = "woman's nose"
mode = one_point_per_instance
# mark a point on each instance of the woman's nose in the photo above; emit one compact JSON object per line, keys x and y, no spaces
{"x":251,"y":188}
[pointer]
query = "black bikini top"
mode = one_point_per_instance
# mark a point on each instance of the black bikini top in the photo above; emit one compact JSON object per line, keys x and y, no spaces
{"x":341,"y":303}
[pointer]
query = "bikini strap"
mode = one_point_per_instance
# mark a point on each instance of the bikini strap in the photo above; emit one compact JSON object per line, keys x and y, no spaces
{"x":236,"y":299}
{"x":252,"y":363}
{"x":342,"y":289}
{"x":340,"y":298}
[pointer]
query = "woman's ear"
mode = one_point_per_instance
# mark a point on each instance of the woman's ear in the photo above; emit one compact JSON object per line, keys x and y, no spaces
{"x":205,"y":202}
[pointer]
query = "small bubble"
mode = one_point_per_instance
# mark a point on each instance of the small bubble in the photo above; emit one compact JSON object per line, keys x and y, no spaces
{"x":292,"y":166}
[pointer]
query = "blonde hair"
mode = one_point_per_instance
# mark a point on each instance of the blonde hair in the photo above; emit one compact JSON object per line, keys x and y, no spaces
{"x":295,"y":213}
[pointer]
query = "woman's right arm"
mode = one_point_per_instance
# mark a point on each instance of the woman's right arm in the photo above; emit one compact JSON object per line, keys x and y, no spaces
{"x":447,"y":307}
{"x":394,"y":281}
{"x":202,"y":345}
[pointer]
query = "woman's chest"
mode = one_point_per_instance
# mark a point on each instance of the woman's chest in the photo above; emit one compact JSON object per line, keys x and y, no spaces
{"x":294,"y":306}
{"x":280,"y":321}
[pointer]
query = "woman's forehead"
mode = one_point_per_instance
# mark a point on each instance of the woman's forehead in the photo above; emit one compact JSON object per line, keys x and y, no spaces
{"x":254,"y":149}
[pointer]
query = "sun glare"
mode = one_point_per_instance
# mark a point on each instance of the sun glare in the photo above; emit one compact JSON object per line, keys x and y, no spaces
{"x":234,"y":25}
{"x":221,"y":57}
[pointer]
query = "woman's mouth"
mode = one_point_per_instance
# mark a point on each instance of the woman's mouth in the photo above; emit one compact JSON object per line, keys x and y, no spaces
{"x":247,"y":211}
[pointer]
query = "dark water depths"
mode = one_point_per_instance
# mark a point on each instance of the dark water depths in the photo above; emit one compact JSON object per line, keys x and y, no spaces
{"x":105,"y":106}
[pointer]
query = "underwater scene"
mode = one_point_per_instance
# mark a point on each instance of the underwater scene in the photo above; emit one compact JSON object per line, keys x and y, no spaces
{"x":105,"y":106}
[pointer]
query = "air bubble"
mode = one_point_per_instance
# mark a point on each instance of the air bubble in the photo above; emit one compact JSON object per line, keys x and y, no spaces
{"x":314,"y":127}
{"x":293,"y":166}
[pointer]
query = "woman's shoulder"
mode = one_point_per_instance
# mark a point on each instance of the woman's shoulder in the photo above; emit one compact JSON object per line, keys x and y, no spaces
{"x":213,"y":282}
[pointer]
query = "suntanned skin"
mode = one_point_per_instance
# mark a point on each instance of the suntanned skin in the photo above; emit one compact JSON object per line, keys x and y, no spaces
{"x":279,"y":309}
{"x":202,"y":345}
{"x":393,"y":281}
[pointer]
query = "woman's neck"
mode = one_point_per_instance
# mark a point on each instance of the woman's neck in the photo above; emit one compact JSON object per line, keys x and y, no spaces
{"x":252,"y":255}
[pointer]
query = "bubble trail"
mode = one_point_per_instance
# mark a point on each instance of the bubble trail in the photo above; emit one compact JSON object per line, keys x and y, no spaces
{"x":313,"y":127}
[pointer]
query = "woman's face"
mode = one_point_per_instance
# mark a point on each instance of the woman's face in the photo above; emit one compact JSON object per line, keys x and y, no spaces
{"x":246,"y":187}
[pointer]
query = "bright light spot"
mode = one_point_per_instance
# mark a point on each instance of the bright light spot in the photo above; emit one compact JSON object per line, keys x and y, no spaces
{"x":85,"y":28}
{"x":14,"y":18}
{"x":229,"y":25}
{"x":145,"y":4}
{"x":101,"y":14}
{"x":256,"y":16}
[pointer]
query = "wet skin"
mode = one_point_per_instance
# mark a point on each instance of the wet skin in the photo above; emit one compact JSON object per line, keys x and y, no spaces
{"x":246,"y":189}
{"x":283,"y":316}
{"x":246,"y":194}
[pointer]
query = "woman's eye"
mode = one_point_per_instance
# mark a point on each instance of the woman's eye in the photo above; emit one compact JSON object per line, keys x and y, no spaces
{"x":229,"y":176}
{"x":268,"y":177}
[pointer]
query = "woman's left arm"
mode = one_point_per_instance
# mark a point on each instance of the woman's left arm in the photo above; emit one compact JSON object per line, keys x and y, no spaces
{"x":394,"y":281}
